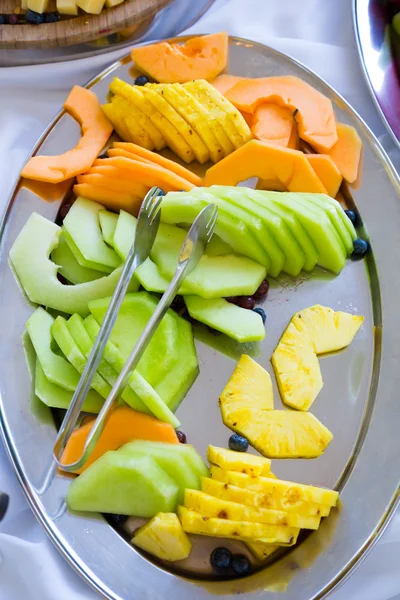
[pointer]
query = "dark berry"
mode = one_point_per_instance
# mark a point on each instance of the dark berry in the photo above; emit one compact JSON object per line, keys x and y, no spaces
{"x":360,"y":248}
{"x":221,"y":558}
{"x":2,"y":20}
{"x":64,"y":210}
{"x":113,"y":38}
{"x":245,"y":302}
{"x":141,"y":80}
{"x":352,"y":216}
{"x":51,"y":17}
{"x":231,"y":299}
{"x":3,"y":504}
{"x":181,"y":436}
{"x":261,"y":312}
{"x":34,"y":18}
{"x":238,"y":443}
{"x":241,"y":564}
{"x":262,"y":290}
{"x":13,"y":19}
{"x":118,"y":520}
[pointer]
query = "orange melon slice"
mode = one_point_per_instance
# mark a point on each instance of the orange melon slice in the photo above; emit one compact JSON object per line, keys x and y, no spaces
{"x":201,"y":57}
{"x":327,"y":172}
{"x":273,"y":124}
{"x":225,"y":82}
{"x":268,"y":162}
{"x":109,"y":198}
{"x":314,"y":116}
{"x":346,"y":153}
{"x":117,"y":184}
{"x":123,"y":426}
{"x":84,"y":107}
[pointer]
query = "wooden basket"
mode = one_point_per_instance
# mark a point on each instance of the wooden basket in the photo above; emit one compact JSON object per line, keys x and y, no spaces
{"x":77,"y":30}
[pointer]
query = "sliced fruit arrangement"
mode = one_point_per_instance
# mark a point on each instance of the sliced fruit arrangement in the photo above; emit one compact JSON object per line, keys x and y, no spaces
{"x":313,"y":331}
{"x":193,"y":119}
{"x":83,"y":105}
{"x":247,"y":407}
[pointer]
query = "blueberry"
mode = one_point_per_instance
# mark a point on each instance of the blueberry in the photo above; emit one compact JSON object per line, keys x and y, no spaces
{"x":241,"y":564}
{"x":352,"y":216}
{"x":118,"y":520}
{"x":12,"y":19}
{"x":181,"y":436}
{"x":221,"y":558}
{"x":34,"y":18}
{"x":262,"y":290}
{"x":238,"y":443}
{"x":261,"y":312}
{"x":141,"y":80}
{"x":51,"y":17}
{"x":2,"y":20}
{"x":361,"y":247}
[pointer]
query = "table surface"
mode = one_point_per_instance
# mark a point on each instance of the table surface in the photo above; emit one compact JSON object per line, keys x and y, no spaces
{"x":320,"y":35}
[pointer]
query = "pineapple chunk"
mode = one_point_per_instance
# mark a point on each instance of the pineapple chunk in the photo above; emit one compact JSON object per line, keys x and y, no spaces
{"x":261,"y":550}
{"x":39,"y":6}
{"x":297,"y":369}
{"x":209,"y":506}
{"x":111,"y":3}
{"x":94,"y":7}
{"x":67,"y":7}
{"x":239,"y":461}
{"x":258,"y":499}
{"x":289,"y":494}
{"x":193,"y":522}
{"x":327,"y":329}
{"x":163,"y":537}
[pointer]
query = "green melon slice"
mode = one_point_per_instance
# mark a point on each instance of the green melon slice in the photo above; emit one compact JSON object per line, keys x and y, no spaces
{"x":335,"y":214}
{"x":69,"y":266}
{"x":108,"y":222}
{"x":38,"y":274}
{"x":119,"y":483}
{"x":83,"y":228}
{"x":238,"y":323}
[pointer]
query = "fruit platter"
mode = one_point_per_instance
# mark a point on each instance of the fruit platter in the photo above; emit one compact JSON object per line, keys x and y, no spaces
{"x":239,"y":455}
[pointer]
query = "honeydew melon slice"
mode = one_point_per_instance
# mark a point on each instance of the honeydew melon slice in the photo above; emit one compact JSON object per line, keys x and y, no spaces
{"x":83,"y":228}
{"x":238,"y":323}
{"x":108,"y":222}
{"x":119,"y":483}
{"x":69,"y":267}
{"x":38,"y":274}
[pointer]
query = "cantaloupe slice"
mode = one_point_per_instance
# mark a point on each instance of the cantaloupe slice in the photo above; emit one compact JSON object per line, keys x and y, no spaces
{"x":314,"y":116}
{"x":259,"y":159}
{"x":109,"y":198}
{"x":153,"y":157}
{"x":346,"y":153}
{"x":225,"y":82}
{"x":294,"y":138}
{"x":151,"y":174}
{"x":201,"y":57}
{"x":124,"y":425}
{"x":273,"y":124}
{"x":114,"y":183}
{"x":84,"y":107}
{"x":327,"y":172}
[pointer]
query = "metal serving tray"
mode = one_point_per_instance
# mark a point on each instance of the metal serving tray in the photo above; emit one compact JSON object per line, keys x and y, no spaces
{"x":359,"y":401}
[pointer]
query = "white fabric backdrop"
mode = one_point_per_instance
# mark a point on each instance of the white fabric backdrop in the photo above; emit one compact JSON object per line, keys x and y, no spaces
{"x":317,"y":33}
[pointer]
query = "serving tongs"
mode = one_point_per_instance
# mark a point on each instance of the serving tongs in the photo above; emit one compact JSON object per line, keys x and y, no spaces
{"x":191,"y":252}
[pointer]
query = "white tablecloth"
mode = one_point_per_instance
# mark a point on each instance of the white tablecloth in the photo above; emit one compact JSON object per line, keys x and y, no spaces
{"x":318,"y":33}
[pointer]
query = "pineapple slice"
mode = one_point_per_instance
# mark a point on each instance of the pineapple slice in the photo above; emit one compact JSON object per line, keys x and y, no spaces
{"x":289,"y":494}
{"x":239,"y":461}
{"x":297,"y":369}
{"x":194,"y":522}
{"x":261,"y":550}
{"x":209,"y":506}
{"x":163,"y":537}
{"x":237,"y":492}
{"x":328,"y":330}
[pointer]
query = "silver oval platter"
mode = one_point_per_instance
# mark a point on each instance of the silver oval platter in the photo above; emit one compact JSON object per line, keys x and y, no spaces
{"x":359,"y":401}
{"x":377,"y":45}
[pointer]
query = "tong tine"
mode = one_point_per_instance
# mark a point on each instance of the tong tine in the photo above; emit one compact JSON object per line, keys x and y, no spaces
{"x":146,"y":231}
{"x":192,"y":250}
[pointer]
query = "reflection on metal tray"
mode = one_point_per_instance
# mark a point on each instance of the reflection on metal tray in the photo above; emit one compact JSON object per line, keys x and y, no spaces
{"x":358,"y":403}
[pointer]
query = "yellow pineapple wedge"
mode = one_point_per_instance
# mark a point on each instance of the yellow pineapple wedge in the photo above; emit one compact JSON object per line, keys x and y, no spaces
{"x":287,"y":493}
{"x":237,"y":492}
{"x":328,"y":330}
{"x":261,"y":550}
{"x":239,"y":461}
{"x":209,"y":506}
{"x":163,"y":537}
{"x":194,"y":522}
{"x":297,"y":369}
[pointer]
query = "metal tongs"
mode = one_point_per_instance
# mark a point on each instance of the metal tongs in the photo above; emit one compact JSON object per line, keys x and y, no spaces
{"x":192,"y":250}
